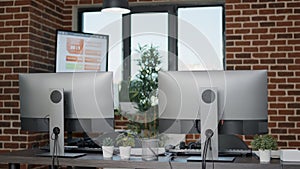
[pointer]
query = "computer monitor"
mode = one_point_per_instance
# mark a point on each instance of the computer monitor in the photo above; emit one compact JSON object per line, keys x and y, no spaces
{"x":58,"y":102}
{"x":242,"y":100}
{"x":233,"y":102}
{"x":88,"y":100}
{"x":81,"y":52}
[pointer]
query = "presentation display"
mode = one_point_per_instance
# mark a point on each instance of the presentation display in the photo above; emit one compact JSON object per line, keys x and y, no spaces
{"x":81,"y":52}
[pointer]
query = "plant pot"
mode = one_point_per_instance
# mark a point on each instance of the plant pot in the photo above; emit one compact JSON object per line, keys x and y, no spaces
{"x":125,"y":152}
{"x":107,"y":151}
{"x":265,"y":156}
{"x":150,"y":149}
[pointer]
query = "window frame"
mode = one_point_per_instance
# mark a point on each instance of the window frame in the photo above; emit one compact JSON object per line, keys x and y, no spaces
{"x":166,"y":7}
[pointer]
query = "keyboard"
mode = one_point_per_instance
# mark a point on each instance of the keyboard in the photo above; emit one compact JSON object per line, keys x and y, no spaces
{"x":186,"y":151}
{"x":234,"y":152}
{"x":75,"y":149}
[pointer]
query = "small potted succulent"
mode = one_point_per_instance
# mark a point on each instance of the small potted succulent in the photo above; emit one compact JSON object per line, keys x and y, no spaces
{"x":264,"y":143}
{"x":125,"y":142}
{"x":107,"y":147}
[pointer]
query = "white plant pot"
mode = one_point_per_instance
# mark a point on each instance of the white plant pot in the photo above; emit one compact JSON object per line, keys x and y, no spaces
{"x":107,"y":151}
{"x":125,"y":152}
{"x":265,"y":156}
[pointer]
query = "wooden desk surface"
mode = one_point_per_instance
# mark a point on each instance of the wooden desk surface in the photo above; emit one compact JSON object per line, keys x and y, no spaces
{"x":96,"y":160}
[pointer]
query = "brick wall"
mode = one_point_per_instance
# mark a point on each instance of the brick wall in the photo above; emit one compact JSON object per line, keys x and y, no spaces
{"x":265,"y":34}
{"x":27,"y":35}
{"x":261,"y":34}
{"x":45,"y":18}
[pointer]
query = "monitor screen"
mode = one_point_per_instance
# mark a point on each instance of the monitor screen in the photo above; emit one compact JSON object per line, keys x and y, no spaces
{"x":80,"y":52}
{"x":242,"y":100}
{"x":88,"y":100}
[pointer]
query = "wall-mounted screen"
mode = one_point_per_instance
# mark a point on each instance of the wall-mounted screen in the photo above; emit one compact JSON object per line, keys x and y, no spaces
{"x":81,"y":52}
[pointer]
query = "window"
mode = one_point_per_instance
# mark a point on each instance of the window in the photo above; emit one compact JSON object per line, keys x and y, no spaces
{"x":200,"y":38}
{"x":190,"y":37}
{"x":149,"y":29}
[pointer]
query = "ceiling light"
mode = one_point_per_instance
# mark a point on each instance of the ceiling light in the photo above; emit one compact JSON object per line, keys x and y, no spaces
{"x":115,"y":6}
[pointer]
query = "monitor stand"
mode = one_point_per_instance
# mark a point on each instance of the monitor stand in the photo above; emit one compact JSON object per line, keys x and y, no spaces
{"x":56,"y":126}
{"x":209,"y":121}
{"x":209,"y":126}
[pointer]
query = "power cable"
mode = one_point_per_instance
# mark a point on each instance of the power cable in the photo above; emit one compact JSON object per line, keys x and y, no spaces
{"x":55,"y":154}
{"x":208,"y":133}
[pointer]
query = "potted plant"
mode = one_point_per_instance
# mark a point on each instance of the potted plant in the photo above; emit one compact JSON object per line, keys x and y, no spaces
{"x":125,"y":142}
{"x":143,"y":92}
{"x":107,"y":147}
{"x":264,"y":143}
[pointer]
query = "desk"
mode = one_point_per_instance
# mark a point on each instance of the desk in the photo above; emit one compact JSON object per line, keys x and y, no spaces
{"x":96,"y":160}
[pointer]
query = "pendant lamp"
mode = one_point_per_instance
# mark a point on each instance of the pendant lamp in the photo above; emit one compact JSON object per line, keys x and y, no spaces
{"x":116,"y":6}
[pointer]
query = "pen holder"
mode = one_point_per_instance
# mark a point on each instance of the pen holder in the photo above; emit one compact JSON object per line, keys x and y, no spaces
{"x":150,"y":149}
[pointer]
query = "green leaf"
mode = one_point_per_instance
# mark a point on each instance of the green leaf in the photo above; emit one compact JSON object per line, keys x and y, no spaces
{"x":264,"y":142}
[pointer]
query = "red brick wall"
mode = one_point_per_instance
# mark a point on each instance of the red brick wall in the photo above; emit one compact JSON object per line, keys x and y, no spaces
{"x":27,"y":35}
{"x":260,"y":34}
{"x":45,"y":18}
{"x":265,"y":34}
